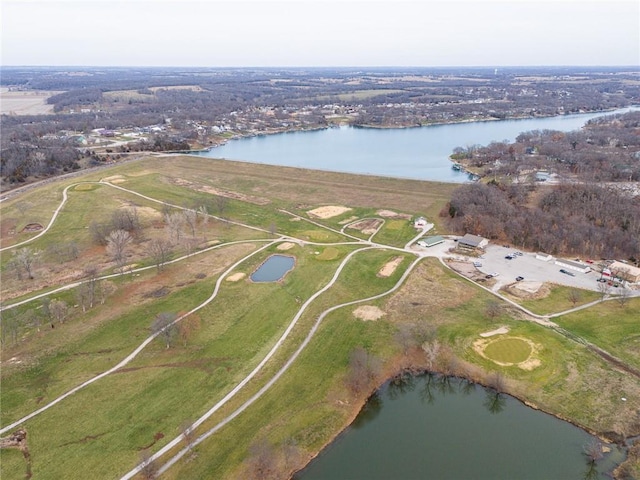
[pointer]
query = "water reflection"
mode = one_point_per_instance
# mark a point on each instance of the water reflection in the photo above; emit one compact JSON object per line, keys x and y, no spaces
{"x":369,"y":412}
{"x":494,"y":401}
{"x":432,"y":426}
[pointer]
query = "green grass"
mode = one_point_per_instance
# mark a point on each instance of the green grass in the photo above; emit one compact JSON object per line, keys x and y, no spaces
{"x":610,"y":326}
{"x":103,"y":428}
{"x":508,"y":350}
{"x":558,"y":300}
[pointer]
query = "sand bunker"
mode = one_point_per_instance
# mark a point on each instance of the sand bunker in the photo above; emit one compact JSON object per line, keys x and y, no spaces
{"x":368,"y":312}
{"x":389,"y":267}
{"x":392,"y":214}
{"x":498,"y":331}
{"x":286,"y":246}
{"x":236,"y":277}
{"x":114,"y":179}
{"x":328,"y":211}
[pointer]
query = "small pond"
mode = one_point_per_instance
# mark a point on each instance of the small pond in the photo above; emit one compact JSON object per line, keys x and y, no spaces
{"x":273,"y":269}
{"x":435,"y":427}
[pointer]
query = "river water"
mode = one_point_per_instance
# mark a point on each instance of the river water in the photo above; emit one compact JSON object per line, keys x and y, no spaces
{"x":419,"y":153}
{"x":434,"y":427}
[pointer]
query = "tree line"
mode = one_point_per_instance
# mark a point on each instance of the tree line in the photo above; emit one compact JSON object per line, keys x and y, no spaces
{"x":570,"y":219}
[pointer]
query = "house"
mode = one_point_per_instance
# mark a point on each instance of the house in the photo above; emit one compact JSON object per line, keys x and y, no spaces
{"x":573,"y":265}
{"x":626,"y":272}
{"x":420,"y":222}
{"x":430,"y":241}
{"x":472,"y":241}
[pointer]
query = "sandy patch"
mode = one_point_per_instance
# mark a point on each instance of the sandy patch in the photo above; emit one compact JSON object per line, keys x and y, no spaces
{"x":528,"y":286}
{"x":498,"y":331}
{"x":528,"y":289}
{"x":368,"y":313}
{"x":328,"y":211}
{"x":236,"y":277}
{"x":348,"y":220}
{"x":389,"y":267}
{"x":286,"y":246}
{"x":392,"y":214}
{"x":529,"y":364}
{"x":219,"y":192}
{"x":25,"y":102}
{"x":114,"y":179}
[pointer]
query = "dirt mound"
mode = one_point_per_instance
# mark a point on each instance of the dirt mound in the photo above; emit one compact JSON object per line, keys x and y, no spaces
{"x":367,"y":226}
{"x":32,"y":227}
{"x":528,"y":290}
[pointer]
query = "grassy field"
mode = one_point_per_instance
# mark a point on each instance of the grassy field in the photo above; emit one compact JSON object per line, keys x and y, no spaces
{"x":102,"y":430}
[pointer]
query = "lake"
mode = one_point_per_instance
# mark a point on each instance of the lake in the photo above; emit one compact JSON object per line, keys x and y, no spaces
{"x":419,"y":153}
{"x":436,"y":427}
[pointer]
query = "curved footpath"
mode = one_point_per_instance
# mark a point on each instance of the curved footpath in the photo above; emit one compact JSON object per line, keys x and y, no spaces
{"x":367,"y":244}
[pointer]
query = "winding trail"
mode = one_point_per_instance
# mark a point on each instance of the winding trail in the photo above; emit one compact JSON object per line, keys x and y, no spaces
{"x":368,"y":244}
{"x":277,"y":375}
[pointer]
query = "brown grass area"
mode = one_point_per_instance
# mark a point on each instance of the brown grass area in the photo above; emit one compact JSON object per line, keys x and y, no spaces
{"x":367,"y":226}
{"x":309,"y":187}
{"x":140,"y":290}
{"x":427,"y":290}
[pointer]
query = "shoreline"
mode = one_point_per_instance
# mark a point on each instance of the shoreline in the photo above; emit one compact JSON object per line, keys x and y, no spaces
{"x":625,"y":444}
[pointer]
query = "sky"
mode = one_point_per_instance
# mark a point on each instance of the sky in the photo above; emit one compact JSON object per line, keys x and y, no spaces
{"x":304,"y":33}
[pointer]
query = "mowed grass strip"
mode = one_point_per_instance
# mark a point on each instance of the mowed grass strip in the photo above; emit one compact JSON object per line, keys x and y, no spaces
{"x":508,"y":350}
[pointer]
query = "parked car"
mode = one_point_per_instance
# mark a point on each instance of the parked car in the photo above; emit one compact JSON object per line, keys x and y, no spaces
{"x":509,"y":257}
{"x":519,"y":279}
{"x":519,"y":254}
{"x":477,"y":264}
{"x":567,"y":272}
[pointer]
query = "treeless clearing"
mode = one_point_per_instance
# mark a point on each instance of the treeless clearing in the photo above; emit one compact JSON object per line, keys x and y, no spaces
{"x":25,"y":102}
{"x":367,"y":226}
{"x":328,"y":211}
{"x":368,"y":313}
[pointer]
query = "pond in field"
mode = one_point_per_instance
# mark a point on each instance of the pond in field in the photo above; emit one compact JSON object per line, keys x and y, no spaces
{"x":435,"y":427}
{"x":273,"y":269}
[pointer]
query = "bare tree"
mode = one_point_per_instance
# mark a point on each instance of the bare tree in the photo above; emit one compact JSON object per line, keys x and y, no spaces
{"x":117,"y":243}
{"x":59,"y":310}
{"x":262,"y":460}
{"x":221,"y":205}
{"x":174,"y":222}
{"x":9,"y":327}
{"x":163,"y":324}
{"x":105,"y":290}
{"x":493,"y":309}
{"x":202,"y":211}
{"x":24,"y":261}
{"x":574,"y":295}
{"x":432,"y":351}
{"x":604,"y":289}
{"x":160,"y":250}
{"x":363,"y":369}
{"x":191,"y":219}
{"x":624,"y":294}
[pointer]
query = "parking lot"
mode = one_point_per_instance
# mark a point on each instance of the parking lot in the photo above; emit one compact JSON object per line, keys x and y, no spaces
{"x":532,"y":269}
